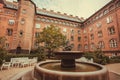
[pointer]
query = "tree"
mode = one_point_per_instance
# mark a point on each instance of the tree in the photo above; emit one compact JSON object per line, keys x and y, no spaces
{"x":2,"y":42}
{"x":52,"y":38}
{"x":2,"y":49}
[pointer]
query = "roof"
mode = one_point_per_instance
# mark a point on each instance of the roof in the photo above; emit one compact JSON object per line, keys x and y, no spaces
{"x":57,"y":15}
{"x":11,"y":5}
{"x":14,"y":5}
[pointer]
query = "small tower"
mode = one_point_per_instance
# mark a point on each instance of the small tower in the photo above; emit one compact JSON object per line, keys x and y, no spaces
{"x":26,"y":13}
{"x":2,"y":3}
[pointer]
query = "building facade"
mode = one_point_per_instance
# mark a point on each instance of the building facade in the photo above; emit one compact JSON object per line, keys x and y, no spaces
{"x":22,"y":21}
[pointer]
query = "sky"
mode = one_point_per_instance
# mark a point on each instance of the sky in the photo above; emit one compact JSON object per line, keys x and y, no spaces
{"x":80,"y":8}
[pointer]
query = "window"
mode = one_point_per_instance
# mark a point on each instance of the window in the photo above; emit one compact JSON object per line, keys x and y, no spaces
{"x":86,"y":46}
{"x":98,"y":24}
{"x":9,"y":32}
{"x":37,"y":34}
{"x":79,"y":38}
{"x":85,"y":38}
{"x":7,"y":45}
{"x":38,"y":19}
{"x":92,"y":46}
{"x":111,"y":30}
{"x":92,"y":36}
{"x":79,"y":47}
{"x":84,"y":31}
{"x":22,"y":21}
{"x":0,"y":9}
{"x":64,"y":30}
{"x":37,"y":25}
{"x":78,"y":31}
{"x":90,"y":29}
{"x":21,"y":33}
{"x":100,"y":34}
{"x":101,"y":45}
{"x":72,"y":31}
{"x":72,"y":45}
{"x":24,"y":11}
{"x":113,"y":43}
{"x":72,"y":38}
{"x":96,"y":17}
{"x":11,"y":22}
{"x":109,"y":19}
{"x":47,"y":26}
{"x":47,"y":20}
{"x":7,"y":12}
{"x":36,"y":44}
{"x":105,"y":12}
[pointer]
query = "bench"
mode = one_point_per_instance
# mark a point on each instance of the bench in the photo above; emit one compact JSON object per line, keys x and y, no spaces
{"x":6,"y":65}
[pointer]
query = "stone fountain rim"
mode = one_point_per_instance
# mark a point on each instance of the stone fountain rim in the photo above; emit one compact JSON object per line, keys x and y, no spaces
{"x":60,"y":52}
{"x":102,"y":70}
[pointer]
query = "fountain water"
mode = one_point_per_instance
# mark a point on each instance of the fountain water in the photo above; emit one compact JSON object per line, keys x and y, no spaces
{"x":69,"y":69}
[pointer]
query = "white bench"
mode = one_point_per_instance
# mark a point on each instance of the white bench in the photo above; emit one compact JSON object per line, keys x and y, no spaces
{"x":21,"y":61}
{"x":6,"y":65}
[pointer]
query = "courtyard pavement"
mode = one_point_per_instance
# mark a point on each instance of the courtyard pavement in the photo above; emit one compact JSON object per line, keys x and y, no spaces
{"x":114,"y":70}
{"x":8,"y":74}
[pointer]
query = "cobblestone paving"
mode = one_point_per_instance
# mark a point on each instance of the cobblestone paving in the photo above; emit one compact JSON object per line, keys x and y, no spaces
{"x":114,"y":76}
{"x":7,"y":74}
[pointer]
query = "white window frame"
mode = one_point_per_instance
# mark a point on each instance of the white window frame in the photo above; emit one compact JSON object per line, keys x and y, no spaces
{"x":37,"y":25}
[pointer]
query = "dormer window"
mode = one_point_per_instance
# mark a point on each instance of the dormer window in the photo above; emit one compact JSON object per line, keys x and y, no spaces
{"x":98,"y":24}
{"x":106,"y":11}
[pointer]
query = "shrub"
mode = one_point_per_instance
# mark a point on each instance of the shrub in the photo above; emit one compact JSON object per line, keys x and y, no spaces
{"x":2,"y":55}
{"x":97,"y":56}
{"x":115,"y":59}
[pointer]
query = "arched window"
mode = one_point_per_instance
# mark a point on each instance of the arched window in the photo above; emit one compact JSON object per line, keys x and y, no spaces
{"x":86,"y":46}
{"x":101,"y":45}
{"x":113,"y":43}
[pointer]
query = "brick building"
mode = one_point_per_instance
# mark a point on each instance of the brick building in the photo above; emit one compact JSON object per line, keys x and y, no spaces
{"x":21,"y":22}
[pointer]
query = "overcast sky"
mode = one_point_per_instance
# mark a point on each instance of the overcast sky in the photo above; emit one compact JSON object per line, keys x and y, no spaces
{"x":81,"y":8}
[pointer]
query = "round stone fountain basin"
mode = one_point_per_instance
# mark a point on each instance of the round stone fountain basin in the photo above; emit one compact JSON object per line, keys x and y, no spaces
{"x":43,"y":71}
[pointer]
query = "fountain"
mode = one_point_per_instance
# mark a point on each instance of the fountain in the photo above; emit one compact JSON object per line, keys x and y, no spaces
{"x":68,"y":69}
